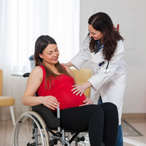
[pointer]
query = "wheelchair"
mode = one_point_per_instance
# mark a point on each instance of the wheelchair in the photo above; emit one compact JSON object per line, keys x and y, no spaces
{"x":31,"y":130}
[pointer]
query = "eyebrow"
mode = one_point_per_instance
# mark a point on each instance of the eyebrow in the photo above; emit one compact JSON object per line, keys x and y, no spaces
{"x":54,"y":49}
{"x":91,"y":32}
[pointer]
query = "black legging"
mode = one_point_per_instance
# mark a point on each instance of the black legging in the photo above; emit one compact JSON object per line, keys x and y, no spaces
{"x":100,"y":120}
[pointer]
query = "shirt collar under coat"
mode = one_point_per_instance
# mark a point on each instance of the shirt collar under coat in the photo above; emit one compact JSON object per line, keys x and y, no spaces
{"x":98,"y":47}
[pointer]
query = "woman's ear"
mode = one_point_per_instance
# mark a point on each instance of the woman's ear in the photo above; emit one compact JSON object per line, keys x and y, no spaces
{"x":40,"y":55}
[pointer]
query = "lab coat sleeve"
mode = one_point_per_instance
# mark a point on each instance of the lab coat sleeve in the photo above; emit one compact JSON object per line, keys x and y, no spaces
{"x":79,"y":59}
{"x":99,"y":79}
{"x":82,"y":56}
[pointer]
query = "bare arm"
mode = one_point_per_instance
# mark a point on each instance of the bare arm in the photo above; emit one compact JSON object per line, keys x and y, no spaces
{"x":71,"y":73}
{"x":33,"y":83}
{"x":69,"y":64}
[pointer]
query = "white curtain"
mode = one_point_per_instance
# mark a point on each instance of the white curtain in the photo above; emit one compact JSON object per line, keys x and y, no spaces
{"x":21,"y":23}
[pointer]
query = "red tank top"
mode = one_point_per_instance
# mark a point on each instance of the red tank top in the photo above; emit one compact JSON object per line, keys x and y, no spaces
{"x":61,"y":89}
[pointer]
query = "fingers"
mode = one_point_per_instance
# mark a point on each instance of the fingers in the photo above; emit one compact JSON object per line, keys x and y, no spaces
{"x":74,"y":85}
{"x":81,"y":93}
{"x":87,"y":102}
{"x":84,"y":104}
{"x":52,"y":102}
{"x":52,"y":106}
{"x":77,"y":89}
{"x":78,"y":92}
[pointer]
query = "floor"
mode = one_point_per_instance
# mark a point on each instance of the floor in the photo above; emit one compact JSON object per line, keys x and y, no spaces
{"x":6,"y":132}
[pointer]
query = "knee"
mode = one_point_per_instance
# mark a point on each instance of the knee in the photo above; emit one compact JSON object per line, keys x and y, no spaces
{"x":97,"y":110}
{"x":111,"y":107}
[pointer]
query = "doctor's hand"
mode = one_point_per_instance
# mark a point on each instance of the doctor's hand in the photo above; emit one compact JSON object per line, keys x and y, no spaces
{"x":50,"y":102}
{"x":78,"y":89}
{"x":87,"y":101}
{"x":69,"y":64}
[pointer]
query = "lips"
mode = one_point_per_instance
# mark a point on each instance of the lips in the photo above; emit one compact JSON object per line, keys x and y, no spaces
{"x":55,"y":59}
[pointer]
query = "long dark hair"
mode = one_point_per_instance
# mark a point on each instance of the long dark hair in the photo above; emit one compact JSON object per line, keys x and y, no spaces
{"x":103,"y":23}
{"x":41,"y":43}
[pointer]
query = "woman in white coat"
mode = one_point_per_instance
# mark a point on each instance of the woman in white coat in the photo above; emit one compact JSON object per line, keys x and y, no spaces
{"x":104,"y":48}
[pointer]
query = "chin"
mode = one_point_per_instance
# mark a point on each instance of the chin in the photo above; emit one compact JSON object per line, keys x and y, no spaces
{"x":56,"y":62}
{"x":95,"y":39}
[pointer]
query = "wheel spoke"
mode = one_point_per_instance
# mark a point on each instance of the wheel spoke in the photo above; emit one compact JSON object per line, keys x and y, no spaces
{"x":25,"y":135}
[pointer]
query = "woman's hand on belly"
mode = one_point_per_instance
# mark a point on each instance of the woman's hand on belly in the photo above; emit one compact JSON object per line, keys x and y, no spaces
{"x":50,"y":102}
{"x":87,"y":101}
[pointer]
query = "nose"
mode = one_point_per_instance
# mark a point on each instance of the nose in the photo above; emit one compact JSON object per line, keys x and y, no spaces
{"x":90,"y":35}
{"x":55,"y":53}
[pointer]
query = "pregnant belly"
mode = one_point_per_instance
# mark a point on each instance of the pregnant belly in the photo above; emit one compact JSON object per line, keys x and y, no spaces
{"x":70,"y":100}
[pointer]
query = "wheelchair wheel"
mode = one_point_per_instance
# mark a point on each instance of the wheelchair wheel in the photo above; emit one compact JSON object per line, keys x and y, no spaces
{"x":30,"y":130}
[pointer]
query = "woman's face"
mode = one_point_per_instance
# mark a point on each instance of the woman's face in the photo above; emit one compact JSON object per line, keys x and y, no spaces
{"x":50,"y":54}
{"x":95,"y":34}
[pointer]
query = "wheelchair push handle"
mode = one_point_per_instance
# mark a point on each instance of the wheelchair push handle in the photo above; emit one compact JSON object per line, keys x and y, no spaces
{"x":25,"y":75}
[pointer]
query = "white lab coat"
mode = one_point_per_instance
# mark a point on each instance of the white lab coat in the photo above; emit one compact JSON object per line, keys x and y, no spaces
{"x":110,"y":86}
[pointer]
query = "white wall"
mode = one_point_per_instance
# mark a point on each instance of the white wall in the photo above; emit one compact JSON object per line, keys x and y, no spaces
{"x":131,"y":15}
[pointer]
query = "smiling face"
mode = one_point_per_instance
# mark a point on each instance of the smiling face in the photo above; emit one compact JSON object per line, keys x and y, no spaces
{"x":50,"y":55}
{"x":95,"y":34}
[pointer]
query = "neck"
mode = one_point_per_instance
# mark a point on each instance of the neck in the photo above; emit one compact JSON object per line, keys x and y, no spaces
{"x":101,"y":41}
{"x":52,"y":67}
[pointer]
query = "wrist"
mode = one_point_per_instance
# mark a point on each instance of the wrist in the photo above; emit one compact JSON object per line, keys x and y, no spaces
{"x":40,"y":99}
{"x":69,"y":64}
{"x":87,"y":85}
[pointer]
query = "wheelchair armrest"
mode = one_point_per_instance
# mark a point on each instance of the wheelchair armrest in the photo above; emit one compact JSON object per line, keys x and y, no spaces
{"x":58,"y":119}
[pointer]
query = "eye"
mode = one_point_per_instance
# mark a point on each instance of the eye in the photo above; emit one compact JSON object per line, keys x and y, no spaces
{"x":50,"y":53}
{"x":56,"y":50}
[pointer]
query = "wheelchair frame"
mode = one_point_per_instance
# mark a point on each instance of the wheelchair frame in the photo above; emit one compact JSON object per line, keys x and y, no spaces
{"x":41,"y":135}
